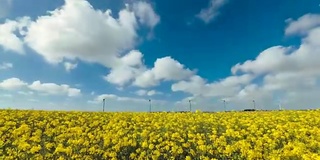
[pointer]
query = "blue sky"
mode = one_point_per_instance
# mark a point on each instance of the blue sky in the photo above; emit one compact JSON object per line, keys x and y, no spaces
{"x":69,"y":55}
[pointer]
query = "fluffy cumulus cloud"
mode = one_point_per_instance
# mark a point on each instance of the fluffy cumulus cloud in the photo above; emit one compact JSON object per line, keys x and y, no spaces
{"x":209,"y":13}
{"x":146,"y":14}
{"x":198,"y":86}
{"x":12,"y":84}
{"x":146,"y":79}
{"x":99,"y":98}
{"x":9,"y":40}
{"x":153,"y":92}
{"x":303,"y":24}
{"x":166,"y":69}
{"x":266,"y":61}
{"x":169,"y":69}
{"x":128,"y":68}
{"x":132,"y":69}
{"x":54,"y":89}
{"x":143,"y":92}
{"x":84,"y":33}
{"x":43,"y":88}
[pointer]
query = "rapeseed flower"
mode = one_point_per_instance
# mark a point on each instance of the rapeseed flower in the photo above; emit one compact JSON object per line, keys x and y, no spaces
{"x":232,"y":135}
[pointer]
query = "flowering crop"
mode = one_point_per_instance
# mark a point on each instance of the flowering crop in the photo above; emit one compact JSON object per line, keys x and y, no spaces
{"x":221,"y":135}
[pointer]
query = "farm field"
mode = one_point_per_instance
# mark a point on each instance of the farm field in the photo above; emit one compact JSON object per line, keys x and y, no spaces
{"x":222,"y":135}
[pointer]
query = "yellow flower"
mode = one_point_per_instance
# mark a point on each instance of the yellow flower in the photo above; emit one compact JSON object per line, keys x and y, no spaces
{"x":35,"y":149}
{"x":24,"y":146}
{"x":87,"y":135}
{"x":145,"y":144}
{"x":151,"y":146}
{"x":133,"y":156}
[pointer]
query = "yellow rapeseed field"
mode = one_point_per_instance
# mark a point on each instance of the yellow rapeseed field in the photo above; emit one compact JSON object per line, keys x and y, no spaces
{"x":96,"y":135}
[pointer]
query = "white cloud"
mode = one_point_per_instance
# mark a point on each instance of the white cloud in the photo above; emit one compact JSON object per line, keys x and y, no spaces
{"x":129,"y":67}
{"x":169,"y":69}
{"x":302,"y":25}
{"x":54,"y":89}
{"x":121,"y":75}
{"x":8,"y":39}
{"x":70,"y":66}
{"x":197,"y":86}
{"x":105,"y":96}
{"x":143,"y":92}
{"x":12,"y":84}
{"x":287,"y":81}
{"x":84,"y":33}
{"x":166,"y":69}
{"x":133,"y":58}
{"x":212,"y":11}
{"x":5,"y":6}
{"x":153,"y":92}
{"x":132,"y":68}
{"x":146,"y":14}
{"x":194,"y":85}
{"x":267,"y":60}
{"x":46,"y":88}
{"x":146,"y":79}
{"x":5,"y":65}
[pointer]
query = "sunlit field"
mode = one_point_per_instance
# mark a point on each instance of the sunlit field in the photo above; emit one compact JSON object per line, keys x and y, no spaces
{"x":97,"y":135}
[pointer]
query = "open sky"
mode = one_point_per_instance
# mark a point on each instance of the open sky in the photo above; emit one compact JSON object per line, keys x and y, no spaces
{"x":71,"y":54}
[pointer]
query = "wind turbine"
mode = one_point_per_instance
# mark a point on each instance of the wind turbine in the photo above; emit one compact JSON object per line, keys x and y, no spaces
{"x":150,"y":105}
{"x":224,"y":105}
{"x":254,"y":104}
{"x":280,"y":106}
{"x":103,"y":104}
